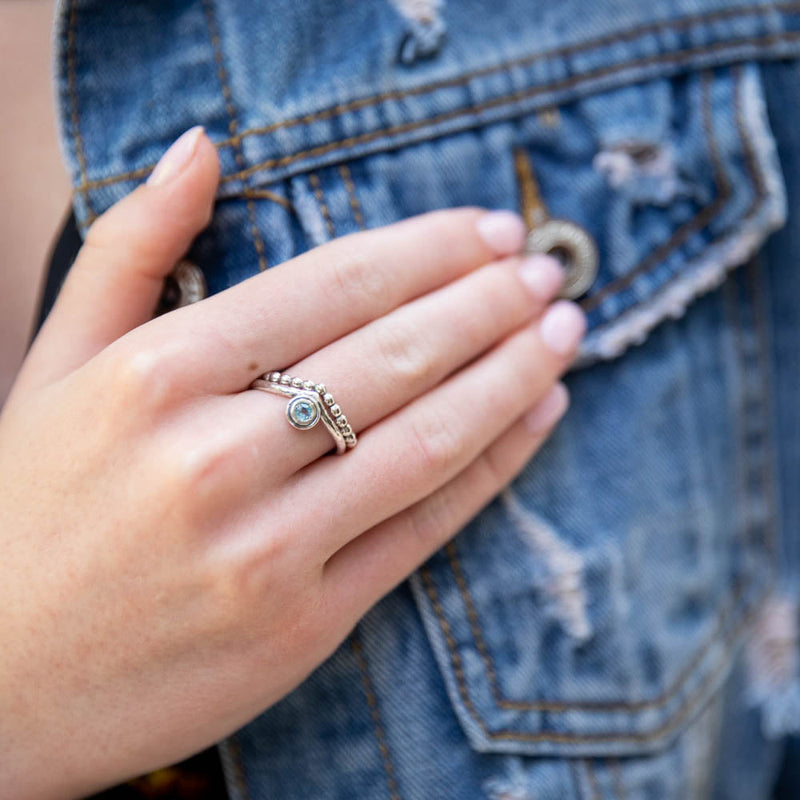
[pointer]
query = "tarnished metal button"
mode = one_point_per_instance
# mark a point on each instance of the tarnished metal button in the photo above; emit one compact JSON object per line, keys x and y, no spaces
{"x":573,"y":247}
{"x":185,"y":285}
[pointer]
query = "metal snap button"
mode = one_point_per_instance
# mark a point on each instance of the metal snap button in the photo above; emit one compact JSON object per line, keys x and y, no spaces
{"x":573,"y":246}
{"x":185,"y":285}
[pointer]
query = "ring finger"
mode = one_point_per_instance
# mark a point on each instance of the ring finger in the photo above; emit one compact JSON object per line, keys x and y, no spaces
{"x":424,"y":445}
{"x":382,"y":366}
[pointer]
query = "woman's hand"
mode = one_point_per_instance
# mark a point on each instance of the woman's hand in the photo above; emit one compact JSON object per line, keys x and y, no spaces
{"x":176,"y":557}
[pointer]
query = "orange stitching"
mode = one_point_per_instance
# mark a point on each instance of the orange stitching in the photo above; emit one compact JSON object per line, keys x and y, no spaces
{"x":99,"y":183}
{"x":264,"y":194}
{"x":527,"y":60}
{"x":474,"y":622}
{"x":677,"y":58}
{"x":238,"y":767}
{"x":751,"y":210}
{"x":233,"y":125}
{"x":380,"y":735}
{"x":358,"y":216}
{"x":702,"y":219}
{"x":593,"y":784}
{"x":313,"y":179}
{"x":688,"y":705}
{"x":80,"y":154}
{"x":563,"y":706}
{"x":548,"y":706}
{"x":616,"y":774}
{"x":723,"y":188}
{"x":256,"y":234}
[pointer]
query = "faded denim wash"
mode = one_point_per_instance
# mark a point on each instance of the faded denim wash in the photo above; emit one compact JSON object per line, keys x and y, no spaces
{"x":622,"y":621}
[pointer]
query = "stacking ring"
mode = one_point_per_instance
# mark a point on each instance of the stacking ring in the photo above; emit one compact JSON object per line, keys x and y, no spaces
{"x":309,"y":403}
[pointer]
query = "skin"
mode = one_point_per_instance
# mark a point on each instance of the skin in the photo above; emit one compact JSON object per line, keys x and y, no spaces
{"x":176,"y":558}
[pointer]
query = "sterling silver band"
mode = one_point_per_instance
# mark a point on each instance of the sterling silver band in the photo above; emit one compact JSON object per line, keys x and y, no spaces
{"x":309,"y":404}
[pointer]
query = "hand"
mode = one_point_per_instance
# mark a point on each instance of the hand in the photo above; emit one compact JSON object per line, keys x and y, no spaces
{"x":176,"y":557}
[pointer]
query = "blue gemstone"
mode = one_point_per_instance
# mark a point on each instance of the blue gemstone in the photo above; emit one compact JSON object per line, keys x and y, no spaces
{"x":303,"y":412}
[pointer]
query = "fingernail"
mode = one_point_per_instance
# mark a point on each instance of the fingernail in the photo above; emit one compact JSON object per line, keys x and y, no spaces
{"x":503,"y":231}
{"x":562,"y":327}
{"x":548,"y":410}
{"x":542,"y":275}
{"x":180,"y":153}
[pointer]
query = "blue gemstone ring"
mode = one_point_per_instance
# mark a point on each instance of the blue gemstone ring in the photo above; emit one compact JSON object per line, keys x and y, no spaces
{"x":309,"y":403}
{"x":303,"y":412}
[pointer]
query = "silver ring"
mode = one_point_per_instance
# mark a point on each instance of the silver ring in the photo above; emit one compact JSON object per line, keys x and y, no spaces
{"x":309,"y":403}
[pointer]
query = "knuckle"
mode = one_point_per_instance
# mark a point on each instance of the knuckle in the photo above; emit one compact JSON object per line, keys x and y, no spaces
{"x":358,"y":280}
{"x":143,"y":374}
{"x":494,"y":472}
{"x":404,"y":352}
{"x":196,"y":471}
{"x":432,"y":521}
{"x":266,"y":577}
{"x":96,"y":237}
{"x":437,"y":444}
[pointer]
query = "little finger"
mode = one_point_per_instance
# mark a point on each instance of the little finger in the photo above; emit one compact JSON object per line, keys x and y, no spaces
{"x":373,"y":564}
{"x":425,"y":444}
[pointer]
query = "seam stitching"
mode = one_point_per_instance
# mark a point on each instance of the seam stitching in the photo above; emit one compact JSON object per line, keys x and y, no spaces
{"x":233,"y":126}
{"x":616,"y":776}
{"x":350,"y":187}
{"x":679,"y":56}
{"x":316,"y":186}
{"x":526,"y":60}
{"x":451,"y":549}
{"x":702,"y":219}
{"x":80,"y":153}
{"x":672,"y":26}
{"x":685,"y":709}
{"x":375,"y":714}
{"x":665,"y":729}
{"x":265,"y":194}
{"x":759,"y":197}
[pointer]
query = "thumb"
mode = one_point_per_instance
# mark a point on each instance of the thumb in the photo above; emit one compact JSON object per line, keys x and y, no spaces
{"x":118,"y":275}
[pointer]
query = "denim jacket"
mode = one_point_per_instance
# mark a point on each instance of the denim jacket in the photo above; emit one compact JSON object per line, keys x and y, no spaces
{"x":622,"y":621}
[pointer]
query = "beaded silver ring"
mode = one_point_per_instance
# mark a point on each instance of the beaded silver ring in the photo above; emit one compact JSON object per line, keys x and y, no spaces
{"x":309,"y":403}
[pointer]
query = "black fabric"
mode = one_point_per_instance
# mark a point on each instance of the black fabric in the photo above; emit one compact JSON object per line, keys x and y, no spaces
{"x":62,"y":256}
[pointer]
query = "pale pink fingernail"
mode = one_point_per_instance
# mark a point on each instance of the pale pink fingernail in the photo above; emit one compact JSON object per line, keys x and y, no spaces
{"x":542,"y":274}
{"x":175,"y":160}
{"x":548,"y":410}
{"x":503,"y":231}
{"x":562,"y":327}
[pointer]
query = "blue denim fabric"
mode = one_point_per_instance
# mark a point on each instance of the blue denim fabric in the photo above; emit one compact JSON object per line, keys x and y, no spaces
{"x":622,"y":622}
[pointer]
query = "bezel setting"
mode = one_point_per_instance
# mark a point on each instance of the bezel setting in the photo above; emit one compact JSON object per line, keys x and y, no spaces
{"x":303,"y":411}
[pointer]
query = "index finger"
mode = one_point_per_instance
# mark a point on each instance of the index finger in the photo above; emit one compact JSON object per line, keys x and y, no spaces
{"x":283,"y":315}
